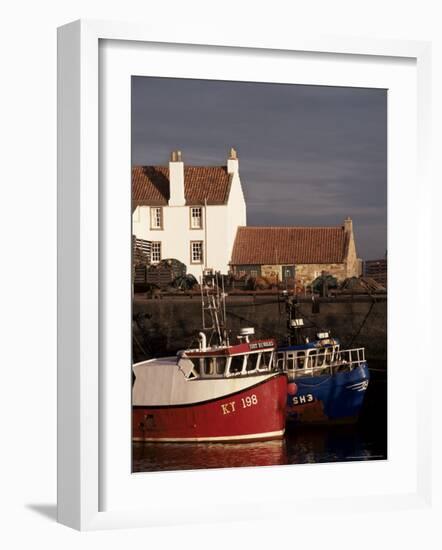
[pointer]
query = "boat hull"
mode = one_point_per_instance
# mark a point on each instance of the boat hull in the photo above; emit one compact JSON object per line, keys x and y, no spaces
{"x":336,"y":398}
{"x":255,"y":413}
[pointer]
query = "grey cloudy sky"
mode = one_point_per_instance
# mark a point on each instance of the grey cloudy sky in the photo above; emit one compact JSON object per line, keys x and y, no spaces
{"x":308,"y":155}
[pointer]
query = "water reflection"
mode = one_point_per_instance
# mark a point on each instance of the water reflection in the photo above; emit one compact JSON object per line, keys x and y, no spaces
{"x":334,"y":444}
{"x":148,"y":457}
{"x":298,"y":447}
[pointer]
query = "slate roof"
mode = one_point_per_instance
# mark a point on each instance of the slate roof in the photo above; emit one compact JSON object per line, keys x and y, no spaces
{"x":289,"y":245}
{"x":150,"y":185}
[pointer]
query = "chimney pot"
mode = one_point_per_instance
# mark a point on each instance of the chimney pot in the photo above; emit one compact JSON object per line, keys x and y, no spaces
{"x":232,"y":162}
{"x":176,"y":180}
{"x":348,"y":224}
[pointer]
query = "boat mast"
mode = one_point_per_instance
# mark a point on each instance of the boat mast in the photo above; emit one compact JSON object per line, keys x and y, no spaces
{"x":294,"y":323}
{"x":213,"y":303}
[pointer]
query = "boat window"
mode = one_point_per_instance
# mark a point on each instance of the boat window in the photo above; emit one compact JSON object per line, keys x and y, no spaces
{"x":328,"y":355}
{"x":290,"y":361}
{"x":300,"y":359}
{"x":209,"y":365}
{"x":266,"y":360}
{"x":220,"y":365}
{"x":196,"y":367}
{"x":311,"y":361}
{"x":200,"y":368}
{"x":236,"y":363}
{"x":251,"y":361}
{"x":280,"y":361}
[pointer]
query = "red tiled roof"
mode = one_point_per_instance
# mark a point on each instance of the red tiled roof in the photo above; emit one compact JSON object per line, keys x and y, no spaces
{"x":150,"y":185}
{"x":289,"y":245}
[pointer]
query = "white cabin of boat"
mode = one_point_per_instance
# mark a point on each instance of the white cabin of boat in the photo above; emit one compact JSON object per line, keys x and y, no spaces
{"x":245,"y":359}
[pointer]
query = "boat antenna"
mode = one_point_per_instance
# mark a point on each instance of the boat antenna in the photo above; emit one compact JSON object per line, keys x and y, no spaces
{"x":294,"y":322}
{"x":216,"y":309}
{"x":226,"y":333}
{"x":211,"y":304}
{"x":202,"y":302}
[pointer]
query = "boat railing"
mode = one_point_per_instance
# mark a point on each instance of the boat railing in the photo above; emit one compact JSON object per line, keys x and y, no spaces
{"x":314,"y":363}
{"x":353,"y":356}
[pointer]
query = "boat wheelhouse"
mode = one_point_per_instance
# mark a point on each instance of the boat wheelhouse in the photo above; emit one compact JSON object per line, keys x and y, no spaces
{"x":218,"y":392}
{"x":243,"y":359}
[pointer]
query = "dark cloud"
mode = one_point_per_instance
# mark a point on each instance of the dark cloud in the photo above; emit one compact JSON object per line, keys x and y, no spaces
{"x":309,"y":155}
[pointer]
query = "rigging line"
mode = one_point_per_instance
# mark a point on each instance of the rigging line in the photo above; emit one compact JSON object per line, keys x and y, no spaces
{"x":255,"y":304}
{"x":309,"y":319}
{"x":139,"y":344}
{"x":190,"y":346}
{"x":362,"y":324}
{"x":237,"y":316}
{"x":241,"y":318}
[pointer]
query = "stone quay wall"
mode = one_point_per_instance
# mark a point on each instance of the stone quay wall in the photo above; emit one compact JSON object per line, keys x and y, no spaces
{"x":163,"y":326}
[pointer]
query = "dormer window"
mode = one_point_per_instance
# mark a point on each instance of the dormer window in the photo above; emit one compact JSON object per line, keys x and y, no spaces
{"x":156,"y":217}
{"x":196,"y":217}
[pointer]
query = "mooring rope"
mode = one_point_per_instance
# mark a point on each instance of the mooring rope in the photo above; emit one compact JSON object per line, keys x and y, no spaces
{"x":362,"y":324}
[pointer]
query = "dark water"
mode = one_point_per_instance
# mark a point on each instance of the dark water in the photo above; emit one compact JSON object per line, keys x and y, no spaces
{"x":366,"y":440}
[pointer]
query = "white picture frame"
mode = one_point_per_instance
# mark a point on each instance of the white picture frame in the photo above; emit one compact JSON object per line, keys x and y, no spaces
{"x":81,"y":298}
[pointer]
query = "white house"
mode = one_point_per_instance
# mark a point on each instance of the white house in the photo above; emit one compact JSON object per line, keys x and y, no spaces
{"x":190,"y":213}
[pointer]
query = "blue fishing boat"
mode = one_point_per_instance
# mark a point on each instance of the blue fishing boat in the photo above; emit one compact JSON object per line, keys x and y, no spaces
{"x":327,"y":384}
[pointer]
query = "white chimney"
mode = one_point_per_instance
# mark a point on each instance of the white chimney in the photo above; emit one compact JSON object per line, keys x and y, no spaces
{"x":176,"y":180}
{"x":232,"y":162}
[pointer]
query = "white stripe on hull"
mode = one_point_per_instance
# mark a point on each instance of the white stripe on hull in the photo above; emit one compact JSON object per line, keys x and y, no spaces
{"x":218,"y":438}
{"x":359,"y":386}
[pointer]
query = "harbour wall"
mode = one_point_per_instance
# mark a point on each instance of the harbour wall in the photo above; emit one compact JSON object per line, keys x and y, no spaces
{"x":163,"y":326}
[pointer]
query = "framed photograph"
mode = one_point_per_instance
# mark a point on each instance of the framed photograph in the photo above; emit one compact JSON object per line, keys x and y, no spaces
{"x":225,"y":212}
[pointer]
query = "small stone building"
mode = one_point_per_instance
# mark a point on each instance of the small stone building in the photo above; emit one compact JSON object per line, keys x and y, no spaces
{"x":296,"y":253}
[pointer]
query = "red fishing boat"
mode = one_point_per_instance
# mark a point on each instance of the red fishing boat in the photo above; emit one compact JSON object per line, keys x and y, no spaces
{"x":216,"y":392}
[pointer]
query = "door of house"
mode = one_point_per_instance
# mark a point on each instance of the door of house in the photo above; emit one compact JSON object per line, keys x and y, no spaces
{"x":288,"y":273}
